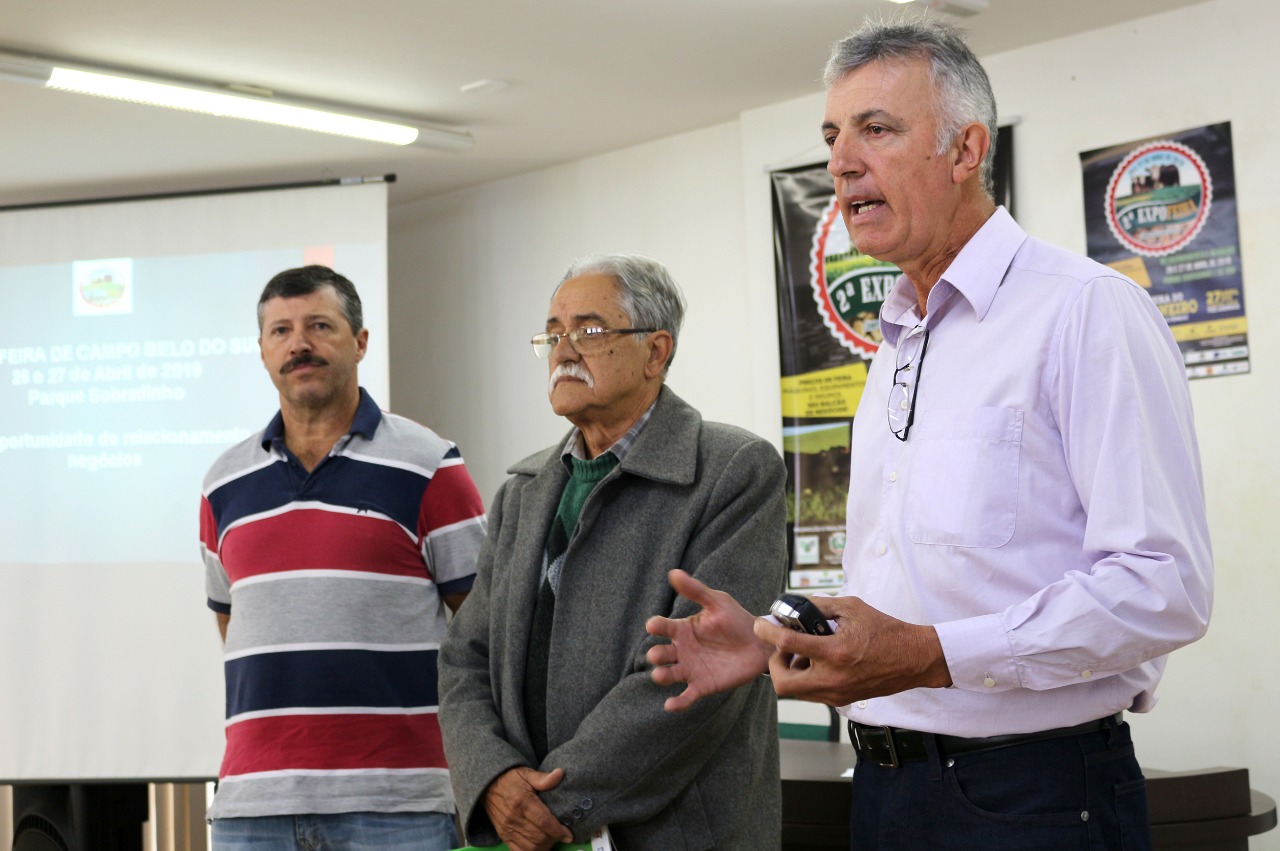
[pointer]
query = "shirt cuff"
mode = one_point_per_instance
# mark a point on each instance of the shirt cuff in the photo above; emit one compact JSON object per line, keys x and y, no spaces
{"x":978,"y":654}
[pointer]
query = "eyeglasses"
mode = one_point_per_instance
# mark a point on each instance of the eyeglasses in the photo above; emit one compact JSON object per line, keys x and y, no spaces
{"x":584,"y":340}
{"x":908,"y":368}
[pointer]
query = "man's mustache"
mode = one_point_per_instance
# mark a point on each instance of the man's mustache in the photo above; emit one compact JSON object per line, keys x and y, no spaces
{"x":570,"y":369}
{"x":304,"y":359}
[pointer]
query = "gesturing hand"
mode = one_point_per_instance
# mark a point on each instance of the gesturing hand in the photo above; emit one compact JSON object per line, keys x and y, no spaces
{"x":521,"y":818}
{"x":712,"y":651}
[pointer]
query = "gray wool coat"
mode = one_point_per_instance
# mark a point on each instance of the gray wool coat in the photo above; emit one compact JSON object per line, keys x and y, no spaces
{"x":705,"y":497}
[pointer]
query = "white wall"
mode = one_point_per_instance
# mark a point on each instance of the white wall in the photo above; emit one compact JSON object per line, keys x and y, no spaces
{"x":471,"y":273}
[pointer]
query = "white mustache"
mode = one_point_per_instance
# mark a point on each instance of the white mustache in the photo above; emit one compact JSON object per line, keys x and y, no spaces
{"x":570,"y":369}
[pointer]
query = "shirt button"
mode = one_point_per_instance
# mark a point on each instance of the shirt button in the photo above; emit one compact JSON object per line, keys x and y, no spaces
{"x":893,"y":477}
{"x":881,"y":550}
{"x":587,"y":803}
{"x":989,"y":681}
{"x":862,"y":704}
{"x":1086,"y":674}
{"x":577,"y":813}
{"x":904,"y":404}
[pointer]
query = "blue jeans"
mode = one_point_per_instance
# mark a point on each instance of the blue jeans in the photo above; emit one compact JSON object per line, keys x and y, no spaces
{"x":337,"y":832}
{"x":1078,"y":792}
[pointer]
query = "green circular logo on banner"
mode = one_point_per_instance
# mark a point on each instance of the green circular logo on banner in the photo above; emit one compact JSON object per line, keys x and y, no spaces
{"x":848,"y":286}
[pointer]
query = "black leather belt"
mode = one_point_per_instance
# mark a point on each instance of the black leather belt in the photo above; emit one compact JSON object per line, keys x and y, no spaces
{"x":892,"y":746}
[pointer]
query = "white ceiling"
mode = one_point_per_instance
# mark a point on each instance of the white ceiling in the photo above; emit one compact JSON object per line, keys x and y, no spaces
{"x":586,"y":77}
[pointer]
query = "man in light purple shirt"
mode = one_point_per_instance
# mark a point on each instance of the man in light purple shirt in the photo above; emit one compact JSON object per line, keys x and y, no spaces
{"x":1027,"y":534}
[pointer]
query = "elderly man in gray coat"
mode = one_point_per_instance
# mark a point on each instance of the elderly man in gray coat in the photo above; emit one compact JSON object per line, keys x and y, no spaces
{"x":553,"y":728}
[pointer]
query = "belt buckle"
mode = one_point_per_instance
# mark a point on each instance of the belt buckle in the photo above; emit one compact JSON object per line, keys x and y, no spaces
{"x":889,"y":747}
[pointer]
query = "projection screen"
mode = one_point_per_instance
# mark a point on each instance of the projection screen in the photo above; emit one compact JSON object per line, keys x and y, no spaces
{"x":128,"y":361}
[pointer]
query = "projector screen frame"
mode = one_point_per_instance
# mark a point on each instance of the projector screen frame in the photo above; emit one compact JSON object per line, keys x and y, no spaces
{"x":66,"y":626}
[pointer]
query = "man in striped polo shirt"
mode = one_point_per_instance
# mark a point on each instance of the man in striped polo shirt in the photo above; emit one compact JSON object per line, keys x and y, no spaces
{"x":333,"y":539}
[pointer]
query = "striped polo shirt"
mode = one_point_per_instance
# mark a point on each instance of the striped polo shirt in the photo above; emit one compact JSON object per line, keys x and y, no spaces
{"x":333,"y":579}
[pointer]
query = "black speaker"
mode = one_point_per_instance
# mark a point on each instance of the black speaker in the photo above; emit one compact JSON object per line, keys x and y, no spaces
{"x":79,"y":817}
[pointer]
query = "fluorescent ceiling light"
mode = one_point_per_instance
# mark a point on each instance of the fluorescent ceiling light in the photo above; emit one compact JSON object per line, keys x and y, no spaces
{"x":248,"y":105}
{"x":229,"y":106}
{"x":954,"y":7}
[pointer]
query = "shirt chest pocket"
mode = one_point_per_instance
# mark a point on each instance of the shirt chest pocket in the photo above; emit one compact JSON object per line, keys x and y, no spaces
{"x":963,"y":486}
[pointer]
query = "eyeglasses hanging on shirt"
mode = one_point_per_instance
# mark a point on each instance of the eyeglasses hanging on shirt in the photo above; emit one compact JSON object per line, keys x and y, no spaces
{"x":908,"y":366}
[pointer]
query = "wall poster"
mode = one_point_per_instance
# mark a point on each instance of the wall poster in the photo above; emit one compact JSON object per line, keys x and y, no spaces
{"x":1163,"y":212}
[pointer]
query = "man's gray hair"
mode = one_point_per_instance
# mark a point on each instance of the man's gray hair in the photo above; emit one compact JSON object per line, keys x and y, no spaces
{"x":646,"y":291}
{"x":962,"y":92}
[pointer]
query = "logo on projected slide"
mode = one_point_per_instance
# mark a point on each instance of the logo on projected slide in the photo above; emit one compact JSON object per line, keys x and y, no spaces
{"x":102,"y":287}
{"x":848,"y":286}
{"x":1158,"y":198}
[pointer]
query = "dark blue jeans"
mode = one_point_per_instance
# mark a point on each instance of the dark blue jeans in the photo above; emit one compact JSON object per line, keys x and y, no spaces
{"x":1075,"y":792}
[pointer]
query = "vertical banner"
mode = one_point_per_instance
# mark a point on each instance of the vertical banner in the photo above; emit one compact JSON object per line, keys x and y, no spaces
{"x":1163,"y":212}
{"x":829,"y":298}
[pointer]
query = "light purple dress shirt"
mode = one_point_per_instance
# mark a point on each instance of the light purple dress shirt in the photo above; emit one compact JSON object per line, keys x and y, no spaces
{"x":1046,"y":512}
